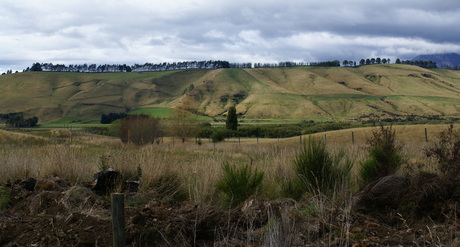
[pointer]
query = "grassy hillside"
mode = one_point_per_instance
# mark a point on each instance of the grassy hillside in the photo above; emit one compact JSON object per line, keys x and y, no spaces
{"x":326,"y":93}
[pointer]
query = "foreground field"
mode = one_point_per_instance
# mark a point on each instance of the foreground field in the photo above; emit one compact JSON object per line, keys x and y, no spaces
{"x":79,"y":157}
{"x":191,"y":212}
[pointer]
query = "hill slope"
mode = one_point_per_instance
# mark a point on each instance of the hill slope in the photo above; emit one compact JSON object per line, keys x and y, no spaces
{"x":282,"y":93}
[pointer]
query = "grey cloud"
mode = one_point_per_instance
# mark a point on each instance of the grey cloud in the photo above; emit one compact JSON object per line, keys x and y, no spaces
{"x":240,"y":31}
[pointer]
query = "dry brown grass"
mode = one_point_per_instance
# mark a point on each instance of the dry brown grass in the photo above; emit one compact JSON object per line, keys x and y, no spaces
{"x":7,"y":137}
{"x":321,"y":220}
{"x":198,"y":166}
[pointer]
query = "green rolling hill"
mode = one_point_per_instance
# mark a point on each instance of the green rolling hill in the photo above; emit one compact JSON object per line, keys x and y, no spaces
{"x":295,"y":93}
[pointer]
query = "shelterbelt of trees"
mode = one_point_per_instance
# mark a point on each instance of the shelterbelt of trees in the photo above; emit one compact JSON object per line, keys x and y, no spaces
{"x":17,"y":119}
{"x":94,"y":68}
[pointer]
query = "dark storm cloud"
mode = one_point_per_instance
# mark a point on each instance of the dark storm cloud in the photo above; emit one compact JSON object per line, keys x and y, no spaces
{"x":138,"y":31}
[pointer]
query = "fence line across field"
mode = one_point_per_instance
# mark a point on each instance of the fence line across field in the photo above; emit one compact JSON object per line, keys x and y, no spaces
{"x":354,"y":138}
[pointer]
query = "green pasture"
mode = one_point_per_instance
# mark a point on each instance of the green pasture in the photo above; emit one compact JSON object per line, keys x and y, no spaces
{"x":162,"y":112}
{"x":66,"y":122}
{"x":158,"y":112}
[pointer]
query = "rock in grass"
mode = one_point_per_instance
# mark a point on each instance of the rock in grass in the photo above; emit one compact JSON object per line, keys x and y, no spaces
{"x":107,"y":182}
{"x":385,"y":192}
{"x":29,"y":184}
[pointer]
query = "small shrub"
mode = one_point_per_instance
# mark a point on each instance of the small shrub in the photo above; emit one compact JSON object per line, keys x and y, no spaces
{"x":104,"y":162}
{"x":5,"y":197}
{"x":218,"y":136}
{"x":318,"y":171}
{"x":447,"y":151}
{"x":385,"y":156}
{"x":139,"y":172}
{"x":293,"y":188}
{"x":139,"y":129}
{"x":238,"y":183}
{"x":106,"y":131}
{"x":109,"y":118}
{"x":169,"y":187}
{"x":150,"y":235}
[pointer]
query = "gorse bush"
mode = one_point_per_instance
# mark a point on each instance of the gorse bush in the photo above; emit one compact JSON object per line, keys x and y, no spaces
{"x":239,"y":183}
{"x":385,"y":155}
{"x":317,"y":170}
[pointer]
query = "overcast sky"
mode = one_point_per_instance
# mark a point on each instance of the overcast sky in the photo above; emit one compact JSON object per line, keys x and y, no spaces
{"x":139,"y":31}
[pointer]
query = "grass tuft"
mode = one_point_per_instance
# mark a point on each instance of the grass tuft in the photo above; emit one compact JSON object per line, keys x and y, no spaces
{"x":317,"y":170}
{"x":239,"y":183}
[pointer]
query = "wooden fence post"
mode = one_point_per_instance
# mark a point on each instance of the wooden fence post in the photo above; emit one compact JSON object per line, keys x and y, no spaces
{"x":426,"y":135}
{"x":353,"y":137}
{"x":118,"y":219}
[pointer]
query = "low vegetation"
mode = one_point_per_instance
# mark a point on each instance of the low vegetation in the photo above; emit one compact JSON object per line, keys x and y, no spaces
{"x":238,"y":183}
{"x":288,"y":191}
{"x":318,"y":171}
{"x":447,"y":151}
{"x":139,"y":129}
{"x":5,"y":194}
{"x":385,"y":155}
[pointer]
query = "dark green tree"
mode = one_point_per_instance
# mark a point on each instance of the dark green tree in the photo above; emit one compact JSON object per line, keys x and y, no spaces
{"x":18,"y":121}
{"x":36,"y":67}
{"x":232,"y":120}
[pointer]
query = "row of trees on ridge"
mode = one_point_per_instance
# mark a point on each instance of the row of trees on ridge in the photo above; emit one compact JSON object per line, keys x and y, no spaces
{"x":93,"y":68}
{"x":420,"y":63}
{"x":218,"y":64}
